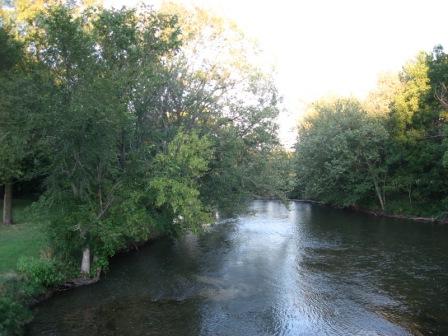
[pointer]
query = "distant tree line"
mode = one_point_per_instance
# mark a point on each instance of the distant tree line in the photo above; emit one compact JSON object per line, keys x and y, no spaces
{"x":389,"y":152}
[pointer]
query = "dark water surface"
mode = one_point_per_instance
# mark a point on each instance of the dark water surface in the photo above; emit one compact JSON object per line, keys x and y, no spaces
{"x":309,"y":270}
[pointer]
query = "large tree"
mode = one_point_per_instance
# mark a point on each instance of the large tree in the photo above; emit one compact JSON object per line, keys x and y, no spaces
{"x":143,"y":132}
{"x":340,"y":154}
{"x":416,"y":123}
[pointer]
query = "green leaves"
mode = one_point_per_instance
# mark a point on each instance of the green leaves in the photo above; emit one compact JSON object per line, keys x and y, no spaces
{"x":92,"y":57}
{"x":137,"y":135}
{"x":339,"y":153}
{"x":346,"y":156}
{"x":174,"y":179}
{"x":40,"y":274}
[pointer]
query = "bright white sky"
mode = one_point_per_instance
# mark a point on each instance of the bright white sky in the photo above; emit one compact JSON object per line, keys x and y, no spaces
{"x":337,"y":47}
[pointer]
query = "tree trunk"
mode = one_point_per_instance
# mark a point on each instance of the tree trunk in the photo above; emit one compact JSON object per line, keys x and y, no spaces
{"x":7,"y":204}
{"x":85,"y":263}
{"x":379,"y":195}
{"x":98,"y":269}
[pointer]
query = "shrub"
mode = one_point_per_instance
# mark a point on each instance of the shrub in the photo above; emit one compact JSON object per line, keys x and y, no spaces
{"x":13,"y":316}
{"x":39,"y":274}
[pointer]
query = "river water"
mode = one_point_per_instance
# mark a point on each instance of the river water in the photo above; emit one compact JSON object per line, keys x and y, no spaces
{"x":302,"y":270}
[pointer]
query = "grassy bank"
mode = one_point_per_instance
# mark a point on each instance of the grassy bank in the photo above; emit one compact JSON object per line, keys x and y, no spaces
{"x":22,"y":243}
{"x":25,"y":238}
{"x":28,"y":272}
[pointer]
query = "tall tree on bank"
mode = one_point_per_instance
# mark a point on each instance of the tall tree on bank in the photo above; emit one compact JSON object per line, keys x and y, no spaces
{"x":340,"y":154}
{"x":438,"y":75}
{"x":142,"y":137}
{"x":93,"y":56}
{"x":413,"y":112}
{"x":416,"y":123}
{"x":233,"y":101}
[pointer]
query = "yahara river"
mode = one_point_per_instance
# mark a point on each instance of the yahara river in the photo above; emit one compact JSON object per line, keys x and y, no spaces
{"x":306,"y":270}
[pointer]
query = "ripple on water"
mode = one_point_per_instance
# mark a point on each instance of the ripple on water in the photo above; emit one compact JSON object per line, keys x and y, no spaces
{"x":306,"y":270}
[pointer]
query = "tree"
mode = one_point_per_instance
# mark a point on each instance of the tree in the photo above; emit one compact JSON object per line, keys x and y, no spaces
{"x":340,"y":154}
{"x":379,"y":101}
{"x":222,"y":94}
{"x":24,"y":90}
{"x":108,"y":93}
{"x":404,"y":127}
{"x":438,"y":75}
{"x":141,"y":137}
{"x":175,"y":180}
{"x":416,"y":125}
{"x":10,"y":146}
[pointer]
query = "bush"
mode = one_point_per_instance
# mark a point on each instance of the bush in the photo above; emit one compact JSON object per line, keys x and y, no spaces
{"x":13,"y":316}
{"x":16,"y":292}
{"x":39,"y":274}
{"x":14,"y":313}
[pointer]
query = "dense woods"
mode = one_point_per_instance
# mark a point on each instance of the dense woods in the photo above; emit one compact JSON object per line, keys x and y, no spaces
{"x":388,"y":152}
{"x":128,"y":124}
{"x":128,"y":134}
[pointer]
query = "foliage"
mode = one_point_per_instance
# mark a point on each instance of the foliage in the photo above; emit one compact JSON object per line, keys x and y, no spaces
{"x":135,"y":122}
{"x":13,"y":316}
{"x":147,"y":122}
{"x":175,"y":183}
{"x":402,"y":135}
{"x":39,"y":274}
{"x":340,"y":154}
{"x":379,"y":101}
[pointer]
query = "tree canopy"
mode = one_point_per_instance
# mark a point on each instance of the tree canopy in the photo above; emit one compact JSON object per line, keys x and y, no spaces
{"x":141,"y":130}
{"x":391,"y":148}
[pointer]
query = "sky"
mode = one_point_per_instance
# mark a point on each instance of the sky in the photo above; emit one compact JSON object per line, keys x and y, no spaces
{"x":330,"y":47}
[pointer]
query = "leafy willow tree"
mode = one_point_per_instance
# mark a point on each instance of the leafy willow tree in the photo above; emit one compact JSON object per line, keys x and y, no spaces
{"x":340,"y":154}
{"x":95,"y":142}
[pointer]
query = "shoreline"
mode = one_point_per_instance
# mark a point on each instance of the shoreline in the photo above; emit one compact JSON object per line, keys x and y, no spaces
{"x":80,"y":282}
{"x":378,"y":213}
{"x":73,"y":283}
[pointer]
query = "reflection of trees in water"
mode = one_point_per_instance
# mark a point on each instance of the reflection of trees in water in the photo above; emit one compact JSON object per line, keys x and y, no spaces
{"x":393,"y":268}
{"x":307,"y":269}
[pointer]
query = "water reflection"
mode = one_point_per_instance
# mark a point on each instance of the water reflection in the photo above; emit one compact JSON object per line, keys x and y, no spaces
{"x":306,"y":270}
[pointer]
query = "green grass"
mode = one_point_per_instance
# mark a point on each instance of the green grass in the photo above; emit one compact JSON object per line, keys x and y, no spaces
{"x":24,"y":238}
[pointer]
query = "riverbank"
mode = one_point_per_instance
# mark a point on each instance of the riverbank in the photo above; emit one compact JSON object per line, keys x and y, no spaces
{"x":26,"y":239}
{"x":28,"y":275}
{"x":71,"y":283}
{"x":443,"y":220}
{"x":382,"y":276}
{"x":23,"y":239}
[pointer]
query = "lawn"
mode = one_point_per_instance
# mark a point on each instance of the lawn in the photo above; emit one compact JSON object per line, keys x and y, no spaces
{"x":24,"y":238}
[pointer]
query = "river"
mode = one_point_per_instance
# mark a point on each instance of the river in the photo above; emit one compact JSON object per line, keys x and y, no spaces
{"x":302,"y":270}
